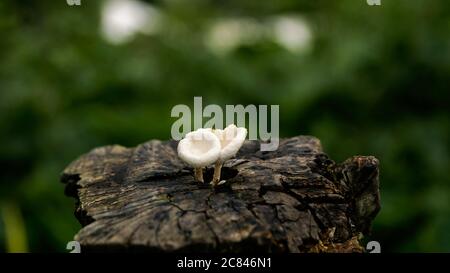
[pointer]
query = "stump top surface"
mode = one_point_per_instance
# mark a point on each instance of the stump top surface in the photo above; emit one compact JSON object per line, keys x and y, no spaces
{"x":290,"y":200}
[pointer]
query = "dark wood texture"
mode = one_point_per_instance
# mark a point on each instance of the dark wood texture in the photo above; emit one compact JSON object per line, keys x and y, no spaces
{"x":294,"y":199}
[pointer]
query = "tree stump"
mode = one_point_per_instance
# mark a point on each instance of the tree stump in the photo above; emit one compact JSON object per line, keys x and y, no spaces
{"x":294,"y":199}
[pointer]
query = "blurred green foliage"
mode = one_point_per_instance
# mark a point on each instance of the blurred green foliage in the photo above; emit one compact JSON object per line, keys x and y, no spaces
{"x":373,"y":81}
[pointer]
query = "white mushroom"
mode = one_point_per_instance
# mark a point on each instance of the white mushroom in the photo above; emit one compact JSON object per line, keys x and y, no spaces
{"x":199,"y":149}
{"x":231,"y":139}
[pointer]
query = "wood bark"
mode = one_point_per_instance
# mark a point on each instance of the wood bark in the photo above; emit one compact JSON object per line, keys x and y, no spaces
{"x":294,"y":199}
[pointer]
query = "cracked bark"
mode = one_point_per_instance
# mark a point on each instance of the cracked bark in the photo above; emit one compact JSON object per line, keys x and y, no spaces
{"x":294,"y":199}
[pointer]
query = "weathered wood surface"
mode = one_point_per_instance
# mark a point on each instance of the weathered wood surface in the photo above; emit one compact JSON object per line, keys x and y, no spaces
{"x":294,"y":199}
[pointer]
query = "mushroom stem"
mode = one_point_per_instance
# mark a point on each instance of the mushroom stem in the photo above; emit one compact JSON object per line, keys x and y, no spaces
{"x":217,"y":172}
{"x":198,"y":172}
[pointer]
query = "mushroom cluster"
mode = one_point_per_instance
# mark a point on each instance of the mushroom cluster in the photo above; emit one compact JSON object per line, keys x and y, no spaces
{"x":206,"y":146}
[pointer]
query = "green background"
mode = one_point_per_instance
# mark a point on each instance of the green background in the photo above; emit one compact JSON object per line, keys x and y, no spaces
{"x":372,"y":80}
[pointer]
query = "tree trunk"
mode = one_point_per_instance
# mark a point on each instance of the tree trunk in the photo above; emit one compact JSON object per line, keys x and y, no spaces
{"x":294,"y":199}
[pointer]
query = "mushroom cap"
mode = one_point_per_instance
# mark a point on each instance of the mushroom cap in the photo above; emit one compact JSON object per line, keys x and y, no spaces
{"x":199,"y":148}
{"x":231,"y":139}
